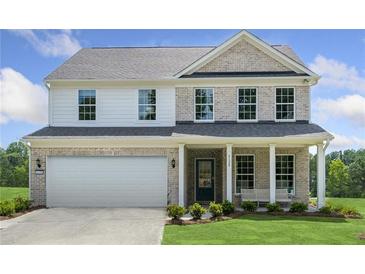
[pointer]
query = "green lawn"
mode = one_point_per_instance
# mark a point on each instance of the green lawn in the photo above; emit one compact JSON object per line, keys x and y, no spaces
{"x":260,"y":229}
{"x":8,"y":193}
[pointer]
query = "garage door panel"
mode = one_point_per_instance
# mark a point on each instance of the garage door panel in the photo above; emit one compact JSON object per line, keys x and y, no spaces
{"x":106,"y":181}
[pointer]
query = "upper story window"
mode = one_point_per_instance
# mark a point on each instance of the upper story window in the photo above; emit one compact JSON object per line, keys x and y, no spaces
{"x":247,"y":104}
{"x":147,"y":104}
{"x":285,"y":173}
{"x":204,"y":104}
{"x":87,"y":105}
{"x":285,"y":104}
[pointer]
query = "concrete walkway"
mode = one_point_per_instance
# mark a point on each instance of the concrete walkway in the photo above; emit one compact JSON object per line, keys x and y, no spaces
{"x":85,"y":226}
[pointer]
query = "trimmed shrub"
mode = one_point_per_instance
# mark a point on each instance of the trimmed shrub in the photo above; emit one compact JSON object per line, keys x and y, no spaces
{"x":21,"y":204}
{"x":7,"y":208}
{"x":227,"y":207}
{"x":215,"y":209}
{"x":351,"y":211}
{"x":249,"y":206}
{"x":197,"y":211}
{"x":175,"y":211}
{"x":298,"y":207}
{"x":325,"y":210}
{"x":274,"y":207}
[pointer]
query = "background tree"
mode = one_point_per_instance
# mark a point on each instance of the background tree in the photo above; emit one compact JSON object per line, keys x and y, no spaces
{"x":338,"y":179}
{"x":14,"y":165}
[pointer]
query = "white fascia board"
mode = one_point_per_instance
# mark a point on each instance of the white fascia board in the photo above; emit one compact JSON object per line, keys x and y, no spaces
{"x":184,"y":82}
{"x":274,"y":53}
{"x":174,"y":141}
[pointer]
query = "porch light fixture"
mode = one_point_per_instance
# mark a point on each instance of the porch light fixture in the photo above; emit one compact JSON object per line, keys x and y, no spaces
{"x":173,"y":162}
{"x":38,"y":163}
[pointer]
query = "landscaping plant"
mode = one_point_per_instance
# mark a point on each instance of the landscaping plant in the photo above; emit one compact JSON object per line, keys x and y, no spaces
{"x":7,"y":208}
{"x":197,"y":211}
{"x":249,"y":206}
{"x":175,"y":211}
{"x":21,"y":204}
{"x":227,"y":207}
{"x":298,"y":207}
{"x":274,"y":207}
{"x":215,"y":209}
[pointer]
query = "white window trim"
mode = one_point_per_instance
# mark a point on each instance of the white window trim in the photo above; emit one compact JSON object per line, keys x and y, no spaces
{"x":78,"y":105}
{"x":146,"y":121}
{"x":294,"y":167}
{"x":294,"y":103}
{"x":203,"y":121}
{"x":235,"y":171}
{"x":238,"y":105}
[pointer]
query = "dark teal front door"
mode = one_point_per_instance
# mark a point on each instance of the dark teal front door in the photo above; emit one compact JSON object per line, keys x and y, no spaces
{"x":204,"y":180}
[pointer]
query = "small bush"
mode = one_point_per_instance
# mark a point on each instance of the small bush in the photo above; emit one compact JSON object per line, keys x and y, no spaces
{"x":249,"y":206}
{"x":21,"y":204}
{"x":175,"y":211}
{"x":197,"y":211}
{"x":298,"y":207}
{"x":274,"y":207}
{"x":215,"y":209}
{"x":7,"y":208}
{"x":351,"y":211}
{"x":227,"y":207}
{"x":325,"y":210}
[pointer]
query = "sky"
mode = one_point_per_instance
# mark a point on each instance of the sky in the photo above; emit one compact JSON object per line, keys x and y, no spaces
{"x":337,"y":101}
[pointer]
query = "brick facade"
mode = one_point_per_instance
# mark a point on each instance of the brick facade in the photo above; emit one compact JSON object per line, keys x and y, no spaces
{"x":243,"y":57}
{"x":38,"y":182}
{"x":225,"y":103}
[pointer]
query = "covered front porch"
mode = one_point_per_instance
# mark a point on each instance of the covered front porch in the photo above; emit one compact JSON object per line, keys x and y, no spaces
{"x":265,"y":173}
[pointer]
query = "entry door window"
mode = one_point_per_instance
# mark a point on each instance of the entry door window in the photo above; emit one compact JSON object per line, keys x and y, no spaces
{"x":205,"y":174}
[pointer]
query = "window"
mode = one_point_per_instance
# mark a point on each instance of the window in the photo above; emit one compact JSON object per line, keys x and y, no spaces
{"x":245,"y":172}
{"x":285,"y":172}
{"x":204,"y":105}
{"x":285,"y":104}
{"x":247,"y":104}
{"x":147,"y":104}
{"x":87,"y":105}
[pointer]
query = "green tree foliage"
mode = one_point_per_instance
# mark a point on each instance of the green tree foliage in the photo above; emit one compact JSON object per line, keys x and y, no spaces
{"x":338,"y":182}
{"x":14,"y":165}
{"x":346,"y":179}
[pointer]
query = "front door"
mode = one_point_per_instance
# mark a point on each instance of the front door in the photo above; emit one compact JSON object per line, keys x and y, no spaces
{"x":204,"y":180}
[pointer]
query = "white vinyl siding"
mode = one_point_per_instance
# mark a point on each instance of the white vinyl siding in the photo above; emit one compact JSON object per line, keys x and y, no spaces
{"x":114,"y":107}
{"x":131,"y":181}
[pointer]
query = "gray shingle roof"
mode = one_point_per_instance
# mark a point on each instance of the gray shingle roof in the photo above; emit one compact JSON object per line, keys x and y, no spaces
{"x":231,"y":129}
{"x":149,"y":63}
{"x":128,"y":63}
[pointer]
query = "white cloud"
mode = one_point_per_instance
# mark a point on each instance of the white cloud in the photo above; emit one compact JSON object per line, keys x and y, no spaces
{"x":61,"y":43}
{"x":338,"y":75}
{"x":351,"y":107}
{"x":21,"y":100}
{"x":342,"y":142}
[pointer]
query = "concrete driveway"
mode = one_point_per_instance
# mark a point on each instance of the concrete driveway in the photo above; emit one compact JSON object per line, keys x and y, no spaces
{"x":85,"y":226}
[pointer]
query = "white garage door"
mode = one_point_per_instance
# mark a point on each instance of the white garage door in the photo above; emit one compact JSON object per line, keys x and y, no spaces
{"x":106,"y":181}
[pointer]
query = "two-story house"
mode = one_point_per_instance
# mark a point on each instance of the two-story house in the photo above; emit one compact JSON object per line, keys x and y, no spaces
{"x":151,"y":126}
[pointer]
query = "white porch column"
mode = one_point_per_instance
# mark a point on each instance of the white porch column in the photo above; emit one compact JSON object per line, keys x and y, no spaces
{"x":272,"y":174}
{"x":229,"y":172}
{"x":181,"y":174}
{"x":321,"y":176}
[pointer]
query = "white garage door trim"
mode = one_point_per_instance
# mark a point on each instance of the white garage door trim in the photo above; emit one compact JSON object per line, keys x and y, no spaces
{"x":106,"y":183}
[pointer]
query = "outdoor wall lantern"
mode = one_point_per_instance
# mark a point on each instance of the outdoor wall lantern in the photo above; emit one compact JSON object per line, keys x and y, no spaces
{"x":38,"y":163}
{"x":173,"y":163}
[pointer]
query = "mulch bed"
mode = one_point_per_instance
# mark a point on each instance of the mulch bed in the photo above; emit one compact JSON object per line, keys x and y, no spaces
{"x":2,"y":218}
{"x":239,"y":214}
